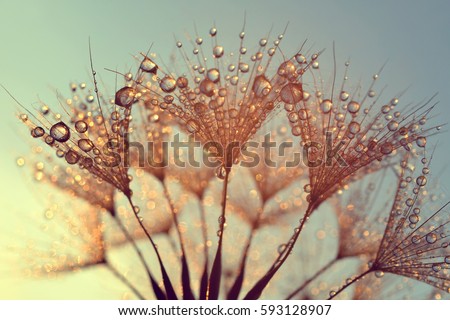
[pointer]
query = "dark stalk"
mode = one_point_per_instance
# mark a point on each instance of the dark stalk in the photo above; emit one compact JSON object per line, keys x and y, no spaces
{"x":311,"y":279}
{"x":349,"y":284}
{"x":171,"y":295}
{"x":216,"y":271}
{"x":185,"y":277}
{"x":160,"y":295}
{"x":259,"y":287}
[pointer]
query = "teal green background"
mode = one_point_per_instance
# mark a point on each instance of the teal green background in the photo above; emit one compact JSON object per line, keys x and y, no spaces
{"x":44,"y":46}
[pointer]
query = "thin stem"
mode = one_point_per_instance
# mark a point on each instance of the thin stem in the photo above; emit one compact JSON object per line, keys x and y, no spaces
{"x":204,"y":229}
{"x":349,"y":284}
{"x":155,"y":247}
{"x":237,"y":285}
{"x":173,"y":212}
{"x":258,"y":288}
{"x":185,"y":277}
{"x":167,"y":283}
{"x":285,"y":253}
{"x":312,"y":278}
{"x":124,"y":280}
{"x":134,"y":245}
{"x":216,"y":271}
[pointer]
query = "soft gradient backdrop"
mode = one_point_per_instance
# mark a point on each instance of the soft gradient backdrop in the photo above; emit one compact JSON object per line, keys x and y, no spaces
{"x":44,"y":45}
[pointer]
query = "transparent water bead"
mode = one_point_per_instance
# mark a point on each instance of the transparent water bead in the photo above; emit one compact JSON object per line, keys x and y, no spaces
{"x":261,"y":86}
{"x":168,"y":84}
{"x":72,"y":157}
{"x":291,"y":93}
{"x":60,"y":132}
{"x":218,"y":51}
{"x":125,"y":97}
{"x":147,"y":65}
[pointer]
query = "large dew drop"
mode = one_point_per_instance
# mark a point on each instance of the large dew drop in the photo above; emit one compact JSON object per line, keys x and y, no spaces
{"x":353,"y":107}
{"x":37,"y":132}
{"x":72,"y":157}
{"x":287,"y":69}
{"x":326,"y":105}
{"x":192,"y":126}
{"x":125,"y":97}
{"x":207,"y":87}
{"x":60,"y":132}
{"x":85,"y":144}
{"x":291,"y":93}
{"x":261,"y":86}
{"x":213,"y":75}
{"x":218,"y":51}
{"x":147,"y":65}
{"x":431,"y":238}
{"x":168,"y":84}
{"x":81,"y":126}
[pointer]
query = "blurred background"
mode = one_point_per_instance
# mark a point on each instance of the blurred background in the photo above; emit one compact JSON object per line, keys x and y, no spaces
{"x":44,"y":47}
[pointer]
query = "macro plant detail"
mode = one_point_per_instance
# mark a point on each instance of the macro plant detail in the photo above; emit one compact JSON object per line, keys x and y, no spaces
{"x":337,"y":148}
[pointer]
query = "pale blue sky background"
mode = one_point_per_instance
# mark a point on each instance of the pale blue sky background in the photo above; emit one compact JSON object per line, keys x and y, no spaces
{"x":44,"y":45}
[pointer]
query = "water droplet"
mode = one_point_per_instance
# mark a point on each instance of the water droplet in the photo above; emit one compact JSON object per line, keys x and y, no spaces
{"x":37,"y":132}
{"x":179,"y":44}
{"x":447,"y":259}
{"x":261,"y":86}
{"x":263,"y":42}
{"x":353,"y":127}
{"x":167,"y":84}
{"x":192,"y":126}
{"x":207,"y":87}
{"x":414,"y":218}
{"x":386,"y":148}
{"x":296,"y":131}
{"x":421,"y":142}
{"x":436,"y":267}
{"x":421,"y":181}
{"x":415,"y":239}
{"x":379,"y":274}
{"x":213,"y":31}
{"x":60,"y":132}
{"x":385,"y":109}
{"x":147,"y":65}
{"x":307,"y":188}
{"x":353,"y":107}
{"x":221,"y":172}
{"x":125,"y":97}
{"x":90,"y":98}
{"x":136,"y":209}
{"x":300,"y":58}
{"x":326,"y":105}
{"x":199,"y":41}
{"x":371,"y":93}
{"x":287,"y":69}
{"x":392,"y":125}
{"x":243,"y":67}
{"x":218,"y":51}
{"x":291,"y":93}
{"x":81,"y":126}
{"x":332,"y":293}
{"x":85,"y":144}
{"x":213,"y":75}
{"x":45,"y":110}
{"x":431,"y":238}
{"x":49,"y":140}
{"x":72,"y":157}
{"x":182,"y":82}
{"x":281,"y":248}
